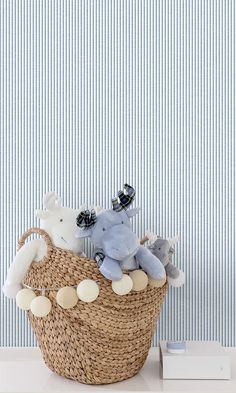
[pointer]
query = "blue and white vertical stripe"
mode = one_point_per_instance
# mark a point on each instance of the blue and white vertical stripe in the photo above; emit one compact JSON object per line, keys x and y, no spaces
{"x":97,"y":93}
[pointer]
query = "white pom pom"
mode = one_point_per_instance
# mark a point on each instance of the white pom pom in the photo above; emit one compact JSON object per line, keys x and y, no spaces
{"x":10,"y":290}
{"x":156,"y":283}
{"x":177,"y":282}
{"x":140,"y":280}
{"x":24,"y":298}
{"x":40,"y":306}
{"x":67,"y":297}
{"x":88,"y":291}
{"x":123,"y":286}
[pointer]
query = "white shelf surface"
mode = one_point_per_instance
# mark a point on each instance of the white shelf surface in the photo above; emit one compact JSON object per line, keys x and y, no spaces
{"x":23,"y":370}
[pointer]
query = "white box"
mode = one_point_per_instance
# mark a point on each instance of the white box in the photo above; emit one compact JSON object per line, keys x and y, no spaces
{"x":202,"y":360}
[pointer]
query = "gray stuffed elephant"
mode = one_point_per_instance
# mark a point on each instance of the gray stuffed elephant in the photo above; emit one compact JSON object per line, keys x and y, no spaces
{"x":162,"y":249}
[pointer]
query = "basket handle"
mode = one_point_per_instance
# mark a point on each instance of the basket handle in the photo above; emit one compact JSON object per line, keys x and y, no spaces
{"x":40,"y":232}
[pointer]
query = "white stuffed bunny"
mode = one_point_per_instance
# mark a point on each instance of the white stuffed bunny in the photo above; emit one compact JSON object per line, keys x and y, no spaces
{"x":60,"y":223}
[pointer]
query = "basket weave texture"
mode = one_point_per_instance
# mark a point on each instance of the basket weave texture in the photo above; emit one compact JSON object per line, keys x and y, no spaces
{"x":95,"y":343}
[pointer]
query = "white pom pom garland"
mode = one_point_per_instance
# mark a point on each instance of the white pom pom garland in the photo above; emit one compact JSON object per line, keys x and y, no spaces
{"x":86,"y":291}
{"x":66,"y":297}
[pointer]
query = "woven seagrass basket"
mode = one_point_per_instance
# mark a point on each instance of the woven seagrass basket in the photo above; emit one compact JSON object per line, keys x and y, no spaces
{"x":95,"y":343}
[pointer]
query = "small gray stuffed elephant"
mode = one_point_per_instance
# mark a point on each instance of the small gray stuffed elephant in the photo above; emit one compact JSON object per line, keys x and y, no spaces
{"x":162,"y":249}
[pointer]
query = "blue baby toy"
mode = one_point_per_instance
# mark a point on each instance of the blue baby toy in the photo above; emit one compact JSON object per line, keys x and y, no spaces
{"x":118,"y":247}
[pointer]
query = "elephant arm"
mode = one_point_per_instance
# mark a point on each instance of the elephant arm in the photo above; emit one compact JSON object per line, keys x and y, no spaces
{"x":150,"y":263}
{"x":171,"y":270}
{"x":111,"y":269}
{"x":176,"y":278}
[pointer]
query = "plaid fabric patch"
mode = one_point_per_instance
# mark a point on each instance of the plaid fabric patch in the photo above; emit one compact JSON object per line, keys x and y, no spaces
{"x":124,"y":198}
{"x":86,"y":219}
{"x":99,"y":256}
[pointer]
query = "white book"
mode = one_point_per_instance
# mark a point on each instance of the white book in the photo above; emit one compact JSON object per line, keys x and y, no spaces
{"x":201,"y":360}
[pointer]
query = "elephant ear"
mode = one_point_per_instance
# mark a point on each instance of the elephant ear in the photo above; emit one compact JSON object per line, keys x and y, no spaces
{"x":124,"y":198}
{"x":132,"y":212}
{"x":85,"y":220}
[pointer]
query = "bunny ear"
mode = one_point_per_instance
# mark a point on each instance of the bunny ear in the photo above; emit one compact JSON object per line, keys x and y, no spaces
{"x":51,"y":201}
{"x":42,"y":214}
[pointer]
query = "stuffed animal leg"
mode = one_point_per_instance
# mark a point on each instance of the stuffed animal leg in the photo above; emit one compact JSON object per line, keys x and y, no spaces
{"x":176,"y":277}
{"x":150,"y":263}
{"x":111,"y":269}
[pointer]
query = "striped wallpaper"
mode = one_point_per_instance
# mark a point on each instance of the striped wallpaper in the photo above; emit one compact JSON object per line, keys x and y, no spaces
{"x":97,"y":93}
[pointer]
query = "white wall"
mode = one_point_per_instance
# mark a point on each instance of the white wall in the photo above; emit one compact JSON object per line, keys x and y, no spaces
{"x":97,"y":93}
